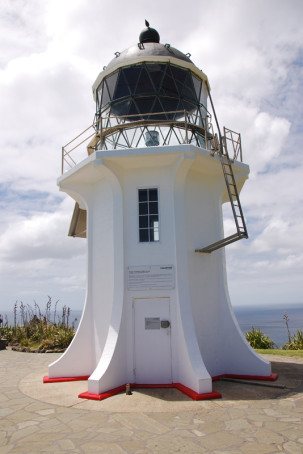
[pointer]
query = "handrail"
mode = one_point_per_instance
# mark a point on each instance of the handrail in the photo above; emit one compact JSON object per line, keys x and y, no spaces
{"x":188,"y":128}
{"x":187,"y":121}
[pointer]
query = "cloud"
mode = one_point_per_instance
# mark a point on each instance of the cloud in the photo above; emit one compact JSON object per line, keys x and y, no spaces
{"x":51,"y":54}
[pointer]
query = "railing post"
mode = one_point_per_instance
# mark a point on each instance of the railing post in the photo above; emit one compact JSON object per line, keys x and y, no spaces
{"x":186,"y":132}
{"x":62,"y":165}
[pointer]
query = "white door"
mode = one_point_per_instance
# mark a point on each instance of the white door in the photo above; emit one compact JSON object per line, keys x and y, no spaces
{"x":152,"y":347}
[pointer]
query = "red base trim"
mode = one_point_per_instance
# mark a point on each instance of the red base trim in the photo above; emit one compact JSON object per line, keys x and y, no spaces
{"x":46,"y":379}
{"x":187,"y":391}
{"x":102,"y":396}
{"x":196,"y":396}
{"x":271,"y":377}
{"x":184,"y":389}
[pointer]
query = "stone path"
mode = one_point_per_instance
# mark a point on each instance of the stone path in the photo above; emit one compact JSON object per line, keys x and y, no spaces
{"x":37,"y":418}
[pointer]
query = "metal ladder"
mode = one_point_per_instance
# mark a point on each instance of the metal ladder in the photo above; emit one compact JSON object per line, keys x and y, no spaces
{"x":232,"y":194}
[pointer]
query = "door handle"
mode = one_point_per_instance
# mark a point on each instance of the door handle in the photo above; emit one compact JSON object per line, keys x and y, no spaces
{"x":165,"y":324}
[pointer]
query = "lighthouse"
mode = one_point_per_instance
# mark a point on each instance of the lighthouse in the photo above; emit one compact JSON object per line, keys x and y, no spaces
{"x":149,"y":179}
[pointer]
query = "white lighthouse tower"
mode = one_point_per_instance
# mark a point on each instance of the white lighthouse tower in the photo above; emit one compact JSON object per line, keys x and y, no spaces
{"x":149,"y":198}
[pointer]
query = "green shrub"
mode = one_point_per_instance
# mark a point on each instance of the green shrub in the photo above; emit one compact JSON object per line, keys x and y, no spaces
{"x":37,"y":330}
{"x":295,"y":342}
{"x":257,"y":339}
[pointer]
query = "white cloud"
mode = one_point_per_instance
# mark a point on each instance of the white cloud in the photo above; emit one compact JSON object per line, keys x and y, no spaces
{"x":52,"y":51}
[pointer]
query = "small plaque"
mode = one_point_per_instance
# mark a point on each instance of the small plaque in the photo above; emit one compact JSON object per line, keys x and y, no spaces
{"x":152,"y":323}
{"x":151,"y":277}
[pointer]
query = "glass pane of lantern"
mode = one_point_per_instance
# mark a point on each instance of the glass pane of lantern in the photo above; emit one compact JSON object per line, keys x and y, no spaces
{"x":131,"y":75}
{"x":197,"y":85}
{"x":145,"y":105}
{"x":120,"y":108}
{"x":179,"y":76}
{"x":168,"y":87}
{"x":133,"y":110}
{"x":169,"y":104}
{"x":111,"y":84}
{"x":99,"y":97}
{"x":105,"y":95}
{"x":158,"y":108}
{"x":156,"y":73}
{"x":122,"y":88}
{"x":188,"y":106}
{"x":144,"y":85}
{"x":188,"y":88}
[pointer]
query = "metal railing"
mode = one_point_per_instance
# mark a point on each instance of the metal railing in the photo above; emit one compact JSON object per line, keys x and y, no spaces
{"x":233,"y":139}
{"x":129,"y":131}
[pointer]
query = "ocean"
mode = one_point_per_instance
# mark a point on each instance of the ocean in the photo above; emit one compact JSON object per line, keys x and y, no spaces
{"x":269,"y":319}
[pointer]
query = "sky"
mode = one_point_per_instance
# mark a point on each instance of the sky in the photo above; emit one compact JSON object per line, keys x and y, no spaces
{"x":51,"y":53}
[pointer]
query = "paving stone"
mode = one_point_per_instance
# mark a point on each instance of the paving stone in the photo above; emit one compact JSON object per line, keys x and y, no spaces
{"x":143,"y":422}
{"x":253,"y":448}
{"x":292,"y":447}
{"x":237,"y":424}
{"x":106,"y":448}
{"x":134,"y":446}
{"x":22,"y":433}
{"x":222,"y":440}
{"x":3,"y":438}
{"x":66,"y":445}
{"x":171,"y":445}
{"x":267,"y":436}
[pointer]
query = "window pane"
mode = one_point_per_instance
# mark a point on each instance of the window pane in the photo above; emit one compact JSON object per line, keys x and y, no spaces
{"x":148,"y":215}
{"x":153,"y":194}
{"x":143,"y":235}
{"x":143,"y":208}
{"x":153,"y":208}
{"x":143,"y":222}
{"x":152,"y":219}
{"x":151,"y":235}
{"x":142,"y":195}
{"x":156,"y":231}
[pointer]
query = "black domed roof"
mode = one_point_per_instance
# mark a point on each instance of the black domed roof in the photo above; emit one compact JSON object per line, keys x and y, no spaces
{"x":147,"y":50}
{"x":149,"y":46}
{"x":149,"y":35}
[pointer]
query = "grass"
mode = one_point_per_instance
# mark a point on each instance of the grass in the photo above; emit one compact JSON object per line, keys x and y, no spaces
{"x":278,"y":352}
{"x":36,"y":330}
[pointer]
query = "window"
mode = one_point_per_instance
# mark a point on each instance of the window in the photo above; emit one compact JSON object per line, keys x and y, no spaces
{"x":148,"y":215}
